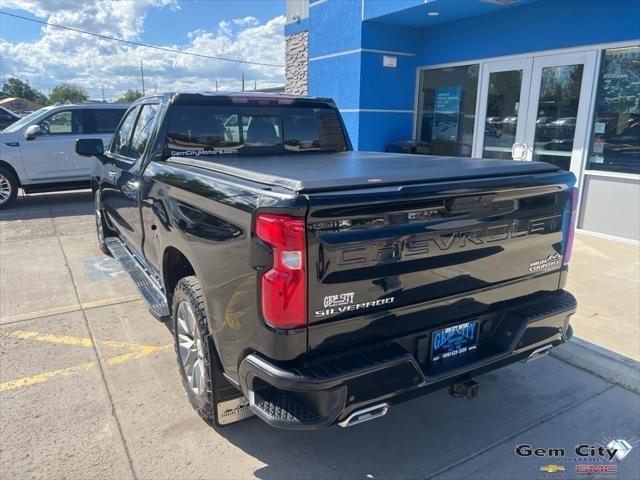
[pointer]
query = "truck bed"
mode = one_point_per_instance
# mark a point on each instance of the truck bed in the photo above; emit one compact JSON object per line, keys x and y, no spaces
{"x":306,"y":173}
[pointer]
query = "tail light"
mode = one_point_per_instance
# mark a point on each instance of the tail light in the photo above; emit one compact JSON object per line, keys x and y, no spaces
{"x":571,"y":231}
{"x":284,"y":285}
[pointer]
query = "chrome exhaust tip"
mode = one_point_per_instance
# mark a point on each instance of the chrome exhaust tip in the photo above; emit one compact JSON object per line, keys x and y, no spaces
{"x":538,"y":353}
{"x":365,"y":414}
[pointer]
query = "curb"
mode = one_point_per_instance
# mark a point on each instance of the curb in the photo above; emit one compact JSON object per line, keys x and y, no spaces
{"x":608,"y":365}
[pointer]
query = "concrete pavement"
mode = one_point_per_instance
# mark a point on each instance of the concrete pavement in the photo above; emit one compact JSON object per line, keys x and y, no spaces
{"x":89,"y":387}
{"x":605,"y":278}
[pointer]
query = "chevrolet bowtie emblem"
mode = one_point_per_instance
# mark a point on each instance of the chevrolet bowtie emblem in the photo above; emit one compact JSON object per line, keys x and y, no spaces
{"x":552,"y":468}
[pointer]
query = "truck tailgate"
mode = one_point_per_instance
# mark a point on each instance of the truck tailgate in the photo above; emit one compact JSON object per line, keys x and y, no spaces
{"x":389,"y":261}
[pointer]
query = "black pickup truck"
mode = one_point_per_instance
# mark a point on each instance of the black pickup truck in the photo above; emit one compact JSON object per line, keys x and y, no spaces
{"x":310,"y":284}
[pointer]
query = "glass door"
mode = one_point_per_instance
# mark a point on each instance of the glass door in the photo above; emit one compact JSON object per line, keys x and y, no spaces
{"x":503,"y":108}
{"x":558,"y":110}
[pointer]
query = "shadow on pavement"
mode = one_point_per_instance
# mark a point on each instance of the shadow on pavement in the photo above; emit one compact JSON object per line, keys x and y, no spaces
{"x":424,"y":436}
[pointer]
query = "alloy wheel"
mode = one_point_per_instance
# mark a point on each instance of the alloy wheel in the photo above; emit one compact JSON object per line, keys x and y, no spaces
{"x":191,"y":348}
{"x":5,"y":189}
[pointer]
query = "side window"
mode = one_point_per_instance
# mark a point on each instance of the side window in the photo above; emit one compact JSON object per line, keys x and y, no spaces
{"x":102,"y":121}
{"x":143,"y":129}
{"x":62,"y":123}
{"x":120,"y":141}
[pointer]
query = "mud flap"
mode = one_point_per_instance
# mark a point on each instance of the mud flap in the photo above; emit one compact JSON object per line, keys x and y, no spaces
{"x":230,"y":404}
{"x":232,"y":410}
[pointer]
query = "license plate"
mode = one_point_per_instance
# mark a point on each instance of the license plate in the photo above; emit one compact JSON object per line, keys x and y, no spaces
{"x":455,"y":340}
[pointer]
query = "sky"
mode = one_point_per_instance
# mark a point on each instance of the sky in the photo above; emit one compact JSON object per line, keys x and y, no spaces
{"x":46,"y":56}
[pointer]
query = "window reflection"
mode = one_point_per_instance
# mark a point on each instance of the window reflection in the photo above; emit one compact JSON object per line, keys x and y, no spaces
{"x":557,"y":113}
{"x":447,"y":110}
{"x":501,"y":122}
{"x":615,"y":139}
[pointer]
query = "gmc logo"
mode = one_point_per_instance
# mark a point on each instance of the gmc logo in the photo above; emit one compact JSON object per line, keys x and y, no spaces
{"x":599,"y":468}
{"x":426,"y":244}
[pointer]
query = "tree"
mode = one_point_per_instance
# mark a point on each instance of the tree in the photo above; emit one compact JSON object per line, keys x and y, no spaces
{"x":64,"y":93}
{"x":130,"y":96}
{"x":17,"y":88}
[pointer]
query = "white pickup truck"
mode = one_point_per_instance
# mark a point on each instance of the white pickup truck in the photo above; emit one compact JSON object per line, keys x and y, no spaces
{"x":37,"y":153}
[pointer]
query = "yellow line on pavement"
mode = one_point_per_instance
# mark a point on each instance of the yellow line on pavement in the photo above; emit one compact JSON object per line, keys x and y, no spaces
{"x":43,"y":377}
{"x":40,"y":313}
{"x":74,"y":341}
{"x":60,"y":339}
{"x":143,"y":351}
{"x":110,"y":301}
{"x":68,"y":308}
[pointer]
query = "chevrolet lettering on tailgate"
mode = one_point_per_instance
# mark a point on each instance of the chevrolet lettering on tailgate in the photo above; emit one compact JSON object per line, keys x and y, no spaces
{"x":427,"y":244}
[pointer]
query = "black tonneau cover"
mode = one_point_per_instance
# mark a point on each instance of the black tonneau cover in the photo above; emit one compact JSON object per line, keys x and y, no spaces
{"x":306,"y":173}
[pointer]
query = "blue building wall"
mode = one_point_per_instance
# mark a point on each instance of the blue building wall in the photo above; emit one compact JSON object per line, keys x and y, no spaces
{"x":345,"y":52}
{"x":338,"y":78}
{"x":334,"y":26}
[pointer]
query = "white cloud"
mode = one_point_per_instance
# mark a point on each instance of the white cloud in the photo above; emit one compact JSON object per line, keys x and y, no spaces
{"x":64,"y":56}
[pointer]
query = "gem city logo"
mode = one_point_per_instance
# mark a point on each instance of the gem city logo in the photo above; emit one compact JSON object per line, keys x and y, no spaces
{"x":598,"y":459}
{"x":344,"y":302}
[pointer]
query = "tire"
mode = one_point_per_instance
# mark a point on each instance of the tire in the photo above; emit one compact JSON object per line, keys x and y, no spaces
{"x":190,"y":330}
{"x":8,"y":187}
{"x":102,"y":229}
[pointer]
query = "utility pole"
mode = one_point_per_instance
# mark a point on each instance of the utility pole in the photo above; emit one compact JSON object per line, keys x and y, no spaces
{"x":243,"y":82}
{"x":103,"y":100}
{"x":155,"y":87}
{"x":142,"y":75}
{"x":216,"y":84}
{"x":255,"y":85}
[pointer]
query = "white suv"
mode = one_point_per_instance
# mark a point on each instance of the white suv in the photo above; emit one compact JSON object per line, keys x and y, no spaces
{"x":38,"y":154}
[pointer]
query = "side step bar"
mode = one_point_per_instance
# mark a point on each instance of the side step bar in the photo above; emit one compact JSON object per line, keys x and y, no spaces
{"x":150,"y":291}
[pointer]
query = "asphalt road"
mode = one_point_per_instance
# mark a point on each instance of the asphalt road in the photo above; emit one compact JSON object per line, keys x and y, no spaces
{"x":89,"y":388}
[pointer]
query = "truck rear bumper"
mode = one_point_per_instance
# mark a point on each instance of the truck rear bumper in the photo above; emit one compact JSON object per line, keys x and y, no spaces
{"x":327,"y":390}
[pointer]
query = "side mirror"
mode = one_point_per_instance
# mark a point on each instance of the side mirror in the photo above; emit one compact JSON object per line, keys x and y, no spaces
{"x":32,"y":132}
{"x":89,"y":147}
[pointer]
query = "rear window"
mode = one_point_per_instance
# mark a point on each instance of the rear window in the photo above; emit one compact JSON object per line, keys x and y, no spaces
{"x":203,"y":131}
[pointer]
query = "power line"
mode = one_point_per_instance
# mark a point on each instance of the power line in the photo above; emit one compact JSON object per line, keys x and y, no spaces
{"x":139,"y":44}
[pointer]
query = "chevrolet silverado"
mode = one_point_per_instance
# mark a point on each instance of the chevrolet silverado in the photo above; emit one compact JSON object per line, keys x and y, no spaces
{"x":312,"y":285}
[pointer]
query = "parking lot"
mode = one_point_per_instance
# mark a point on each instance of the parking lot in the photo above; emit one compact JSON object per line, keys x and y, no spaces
{"x":89,"y":386}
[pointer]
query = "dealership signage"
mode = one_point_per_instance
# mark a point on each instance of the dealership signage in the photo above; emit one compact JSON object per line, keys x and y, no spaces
{"x":446,"y":113}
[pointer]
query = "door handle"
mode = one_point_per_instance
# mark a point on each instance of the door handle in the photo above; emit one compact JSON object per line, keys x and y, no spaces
{"x":519,"y":151}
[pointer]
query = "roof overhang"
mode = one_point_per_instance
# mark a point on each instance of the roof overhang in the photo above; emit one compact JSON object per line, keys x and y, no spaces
{"x":421,"y":14}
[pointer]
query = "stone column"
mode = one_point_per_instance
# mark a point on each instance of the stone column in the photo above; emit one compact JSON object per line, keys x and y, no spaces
{"x":296,"y":54}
